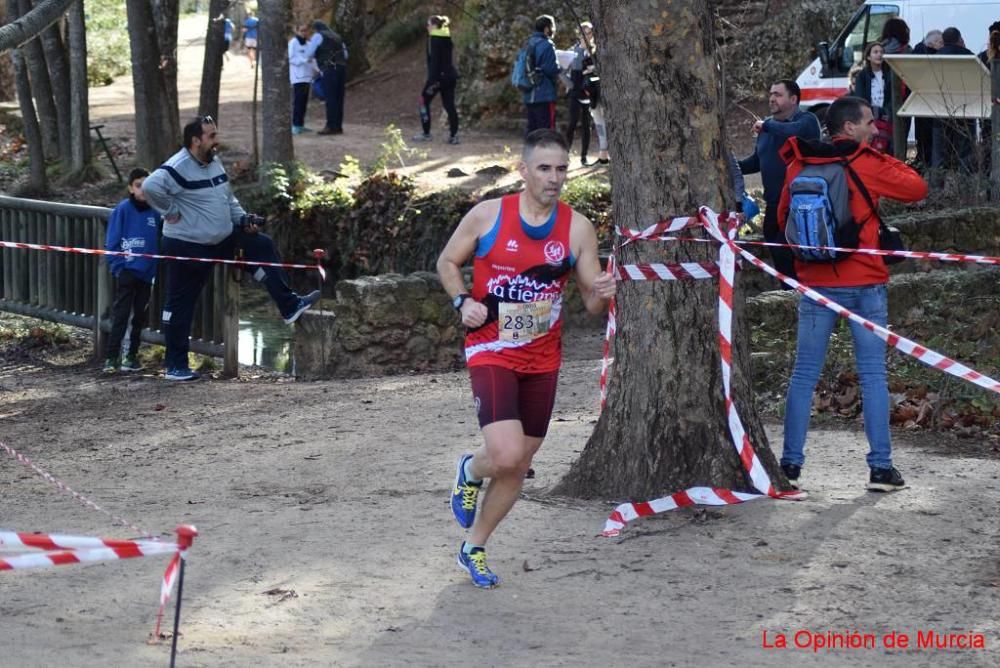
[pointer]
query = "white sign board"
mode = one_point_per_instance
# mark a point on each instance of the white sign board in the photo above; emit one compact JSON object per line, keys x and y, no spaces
{"x":943,"y":86}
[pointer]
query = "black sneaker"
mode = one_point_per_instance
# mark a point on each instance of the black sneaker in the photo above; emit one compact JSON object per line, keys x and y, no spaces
{"x":792,"y":472}
{"x":885,"y":480}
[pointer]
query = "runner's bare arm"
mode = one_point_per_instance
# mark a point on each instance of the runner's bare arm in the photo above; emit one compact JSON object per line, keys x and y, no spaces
{"x":596,"y":286}
{"x":457,"y":252}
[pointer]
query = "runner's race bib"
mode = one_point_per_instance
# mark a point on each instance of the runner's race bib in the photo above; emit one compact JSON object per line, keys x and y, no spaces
{"x":524,"y":322}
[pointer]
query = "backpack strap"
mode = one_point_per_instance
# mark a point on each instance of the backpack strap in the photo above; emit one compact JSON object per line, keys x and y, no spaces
{"x":863,"y":190}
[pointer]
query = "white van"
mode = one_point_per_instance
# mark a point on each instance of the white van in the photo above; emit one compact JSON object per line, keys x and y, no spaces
{"x":825,"y":79}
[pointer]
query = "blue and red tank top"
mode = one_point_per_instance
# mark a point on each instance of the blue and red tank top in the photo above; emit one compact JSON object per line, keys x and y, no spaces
{"x":519,"y":273}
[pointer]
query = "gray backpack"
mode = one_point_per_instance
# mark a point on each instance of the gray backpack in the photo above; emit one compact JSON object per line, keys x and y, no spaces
{"x":819,"y":213}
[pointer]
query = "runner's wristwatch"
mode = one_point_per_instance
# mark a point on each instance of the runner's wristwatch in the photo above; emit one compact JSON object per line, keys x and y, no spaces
{"x":459,"y":300}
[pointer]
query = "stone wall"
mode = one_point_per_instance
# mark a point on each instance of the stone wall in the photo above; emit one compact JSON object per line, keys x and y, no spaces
{"x":392,"y":324}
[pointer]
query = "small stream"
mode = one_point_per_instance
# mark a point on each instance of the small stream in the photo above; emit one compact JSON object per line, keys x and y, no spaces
{"x":265,"y":340}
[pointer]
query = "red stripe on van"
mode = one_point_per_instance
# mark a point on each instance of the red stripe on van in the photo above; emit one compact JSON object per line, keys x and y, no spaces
{"x":821,"y":93}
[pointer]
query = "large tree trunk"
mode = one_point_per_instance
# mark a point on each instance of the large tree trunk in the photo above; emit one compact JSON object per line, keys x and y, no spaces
{"x":79,"y":104}
{"x":211,"y":69}
{"x":41,"y":88}
{"x":8,"y":89}
{"x":37,"y":182}
{"x":24,"y":28}
{"x":155,"y":138}
{"x":664,"y":428}
{"x":349,"y":17}
{"x":55,"y":56}
{"x":166,"y":14}
{"x":276,"y":144}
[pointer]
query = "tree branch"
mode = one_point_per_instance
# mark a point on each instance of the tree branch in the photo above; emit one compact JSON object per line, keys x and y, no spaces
{"x":24,"y":28}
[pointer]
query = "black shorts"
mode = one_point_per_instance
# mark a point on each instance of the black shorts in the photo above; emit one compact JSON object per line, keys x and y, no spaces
{"x":502,"y":394}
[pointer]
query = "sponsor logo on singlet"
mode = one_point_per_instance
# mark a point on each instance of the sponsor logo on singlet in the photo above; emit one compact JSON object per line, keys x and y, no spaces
{"x":520,"y":288}
{"x":555,"y":252}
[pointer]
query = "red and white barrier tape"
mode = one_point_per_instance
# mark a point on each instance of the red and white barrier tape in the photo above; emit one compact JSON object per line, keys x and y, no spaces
{"x":670,"y":271}
{"x":185,"y":538}
{"x":66,"y":489}
{"x":901,"y":343}
{"x":729,"y":248}
{"x":100,"y":251}
{"x":86,"y":556}
{"x":913,"y":255}
{"x":11,"y":540}
{"x":609,"y":334}
{"x":657,"y":229}
{"x":748,"y":457}
{"x":61,"y":550}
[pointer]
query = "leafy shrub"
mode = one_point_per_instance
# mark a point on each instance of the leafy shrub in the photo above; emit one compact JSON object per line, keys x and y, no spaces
{"x":108,"y":54}
{"x":591,"y":196}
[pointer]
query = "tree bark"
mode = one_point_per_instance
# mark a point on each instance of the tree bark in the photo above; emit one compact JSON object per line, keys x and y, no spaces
{"x":79,"y":103}
{"x":155,"y":139}
{"x":166,"y":14}
{"x":37,"y":182}
{"x":211,"y":69}
{"x":19,"y":31}
{"x":41,"y":88}
{"x":349,"y":17}
{"x":664,"y":428}
{"x":276,"y":142}
{"x":55,"y":56}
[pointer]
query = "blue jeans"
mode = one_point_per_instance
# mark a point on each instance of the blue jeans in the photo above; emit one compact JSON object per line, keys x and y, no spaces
{"x":816,"y":323}
{"x":185,"y":281}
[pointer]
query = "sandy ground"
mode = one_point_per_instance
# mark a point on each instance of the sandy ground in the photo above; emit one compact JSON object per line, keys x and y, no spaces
{"x":326,"y":538}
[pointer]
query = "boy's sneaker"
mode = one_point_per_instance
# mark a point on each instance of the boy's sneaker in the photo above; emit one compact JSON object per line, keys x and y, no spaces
{"x":885,"y":480}
{"x":131,"y":363}
{"x":454,"y":140}
{"x":181,"y":374}
{"x":792,"y":472}
{"x":424,"y":136}
{"x":465,"y":496}
{"x":302,"y":306}
{"x":110,"y":365}
{"x":475,"y":563}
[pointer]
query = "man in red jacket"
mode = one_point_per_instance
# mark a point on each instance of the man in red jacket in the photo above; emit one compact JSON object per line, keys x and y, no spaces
{"x":857,"y":282}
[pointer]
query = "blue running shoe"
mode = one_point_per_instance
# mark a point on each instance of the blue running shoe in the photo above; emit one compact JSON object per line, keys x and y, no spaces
{"x":302,"y":306}
{"x":465,"y":496}
{"x":475,"y":563}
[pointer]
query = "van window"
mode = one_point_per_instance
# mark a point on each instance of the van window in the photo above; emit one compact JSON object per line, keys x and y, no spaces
{"x":866,"y":27}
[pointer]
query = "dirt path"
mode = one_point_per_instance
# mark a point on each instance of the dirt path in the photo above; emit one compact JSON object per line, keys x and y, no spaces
{"x":371,"y":105}
{"x":333,"y":497}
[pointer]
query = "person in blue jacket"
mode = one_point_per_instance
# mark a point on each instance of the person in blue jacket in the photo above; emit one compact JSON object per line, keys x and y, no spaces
{"x":786,"y":120}
{"x":133,"y":226}
{"x":250,"y":38}
{"x":540,"y":101}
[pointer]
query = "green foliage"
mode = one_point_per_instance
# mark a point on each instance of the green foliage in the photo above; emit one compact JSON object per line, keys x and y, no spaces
{"x":108,"y":53}
{"x":399,"y":33}
{"x":394,"y":149}
{"x":591,"y":196}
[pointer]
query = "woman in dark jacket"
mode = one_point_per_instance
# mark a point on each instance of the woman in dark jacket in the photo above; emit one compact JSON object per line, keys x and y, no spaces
{"x":874,"y":85}
{"x":441,"y":78}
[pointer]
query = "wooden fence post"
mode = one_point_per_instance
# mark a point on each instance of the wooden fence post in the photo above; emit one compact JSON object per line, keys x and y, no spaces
{"x":995,"y":130}
{"x":231,"y":323}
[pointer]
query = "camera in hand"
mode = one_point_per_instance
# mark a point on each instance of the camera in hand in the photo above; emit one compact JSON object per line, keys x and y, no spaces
{"x":249,"y":219}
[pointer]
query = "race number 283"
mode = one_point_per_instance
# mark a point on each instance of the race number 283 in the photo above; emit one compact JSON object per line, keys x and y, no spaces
{"x":524,"y":322}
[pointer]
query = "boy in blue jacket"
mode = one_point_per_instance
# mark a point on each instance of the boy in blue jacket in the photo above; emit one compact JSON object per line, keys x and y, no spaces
{"x":133,"y":226}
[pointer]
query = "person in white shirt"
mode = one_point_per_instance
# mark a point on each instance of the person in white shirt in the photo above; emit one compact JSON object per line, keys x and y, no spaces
{"x":302,"y":70}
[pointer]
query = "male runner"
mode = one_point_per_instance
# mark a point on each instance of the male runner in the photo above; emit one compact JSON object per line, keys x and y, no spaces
{"x":525,"y":246}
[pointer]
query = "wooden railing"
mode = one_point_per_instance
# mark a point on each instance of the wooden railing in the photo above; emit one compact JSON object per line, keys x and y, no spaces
{"x":76,"y":289}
